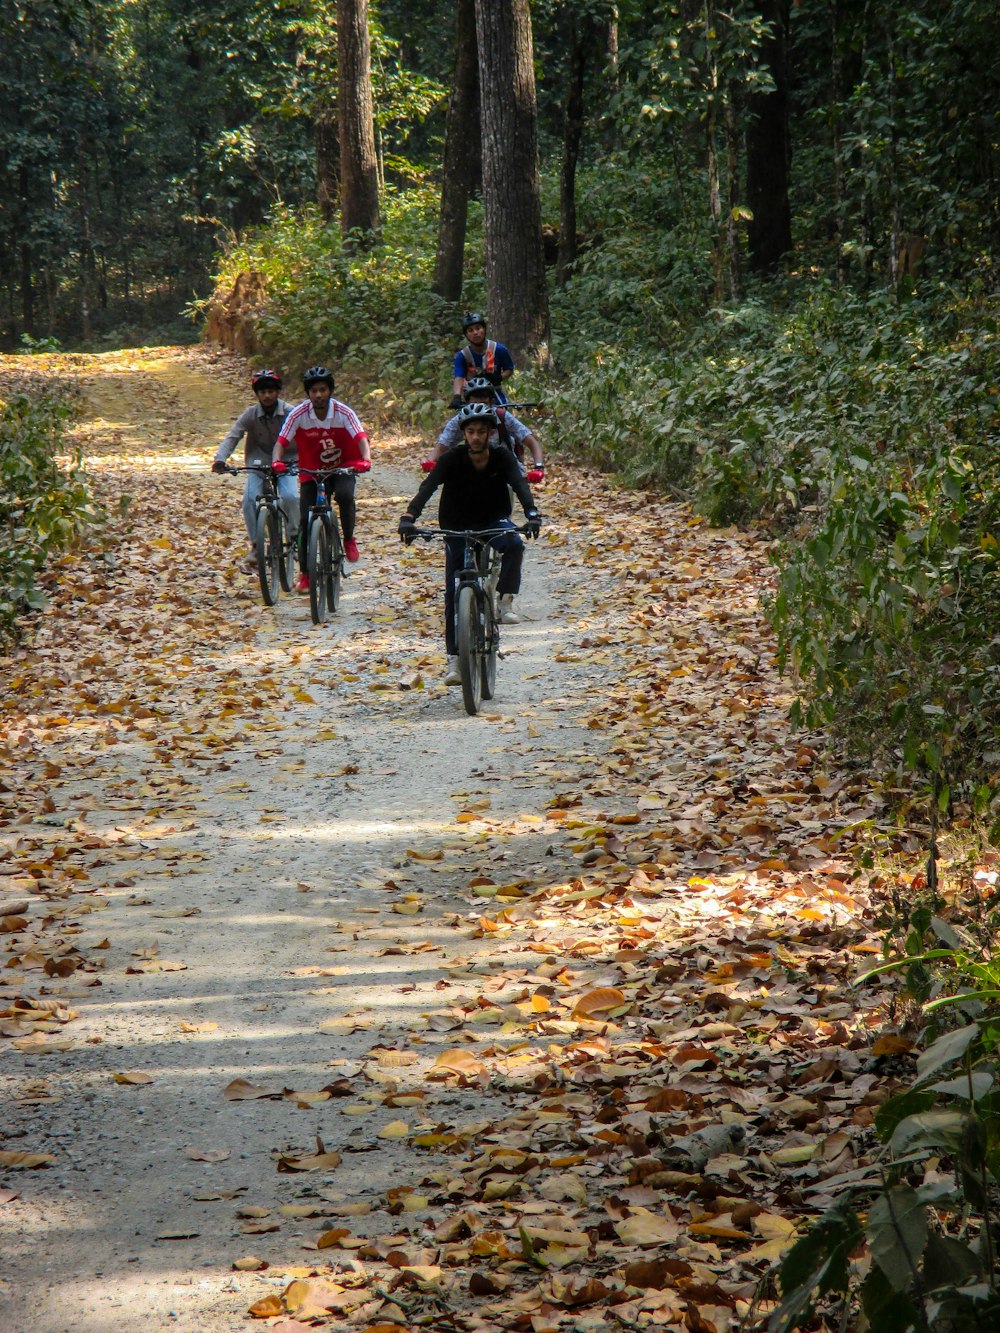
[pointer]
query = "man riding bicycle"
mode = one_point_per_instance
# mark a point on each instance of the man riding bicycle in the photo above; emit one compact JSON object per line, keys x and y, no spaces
{"x":328,"y":435}
{"x":510,"y":431}
{"x":480,"y":356}
{"x":475,"y":479}
{"x":261,"y":424}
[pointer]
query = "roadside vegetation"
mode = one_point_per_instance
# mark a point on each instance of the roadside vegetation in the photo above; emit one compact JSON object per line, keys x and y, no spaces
{"x":46,"y":505}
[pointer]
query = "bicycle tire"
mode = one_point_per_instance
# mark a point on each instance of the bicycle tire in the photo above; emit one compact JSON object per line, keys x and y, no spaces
{"x":336,"y":567}
{"x":286,"y":562}
{"x":267,"y":544}
{"x":469,"y":656}
{"x":316,"y":563}
{"x":491,"y":645}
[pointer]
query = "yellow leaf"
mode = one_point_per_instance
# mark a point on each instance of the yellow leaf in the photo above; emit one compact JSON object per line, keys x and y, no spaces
{"x":303,"y":696}
{"x":395,"y":1129}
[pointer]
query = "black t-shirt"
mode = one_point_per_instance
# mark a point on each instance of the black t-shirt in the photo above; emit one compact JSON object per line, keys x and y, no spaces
{"x":471,"y":497}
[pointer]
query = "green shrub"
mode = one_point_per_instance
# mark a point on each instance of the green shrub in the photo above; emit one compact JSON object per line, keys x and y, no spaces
{"x":44,"y":506}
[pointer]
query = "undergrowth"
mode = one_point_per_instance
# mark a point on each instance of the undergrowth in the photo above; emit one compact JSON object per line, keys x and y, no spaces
{"x":45,"y":505}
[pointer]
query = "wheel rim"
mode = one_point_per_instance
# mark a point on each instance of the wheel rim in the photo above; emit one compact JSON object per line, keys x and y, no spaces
{"x":286,"y":559}
{"x":469,"y":658}
{"x":317,"y":581}
{"x":267,"y":557}
{"x":335,"y":566}
{"x":489,"y":660}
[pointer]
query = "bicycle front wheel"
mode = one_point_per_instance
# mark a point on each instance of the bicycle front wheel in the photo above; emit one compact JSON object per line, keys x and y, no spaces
{"x":491,"y":645}
{"x":268,"y":547}
{"x":469,"y":655}
{"x":318,"y":555}
{"x":286,"y":565}
{"x":336,"y":567}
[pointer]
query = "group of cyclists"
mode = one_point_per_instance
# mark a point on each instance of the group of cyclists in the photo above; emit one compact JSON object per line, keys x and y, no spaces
{"x":482,"y":454}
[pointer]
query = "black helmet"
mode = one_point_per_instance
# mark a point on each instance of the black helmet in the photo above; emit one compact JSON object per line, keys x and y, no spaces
{"x":480,"y":384}
{"x":317,"y":375}
{"x":472,"y":317}
{"x":477,"y":412}
{"x":265,"y":379}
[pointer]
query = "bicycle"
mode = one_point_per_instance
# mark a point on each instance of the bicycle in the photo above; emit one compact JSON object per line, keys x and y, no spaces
{"x":273,"y":548}
{"x":477,"y":624}
{"x":325,"y":563}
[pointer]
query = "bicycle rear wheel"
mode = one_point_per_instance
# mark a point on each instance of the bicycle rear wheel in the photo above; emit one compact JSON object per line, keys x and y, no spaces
{"x":469,"y":656}
{"x":491,"y":644}
{"x":268,"y":548}
{"x":286,"y":564}
{"x":336,"y":567}
{"x":317,"y":556}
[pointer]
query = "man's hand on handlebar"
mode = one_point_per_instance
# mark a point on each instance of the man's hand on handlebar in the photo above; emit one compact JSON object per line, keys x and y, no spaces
{"x":219,"y":465}
{"x":280,"y":466}
{"x":536,"y":474}
{"x":362,"y":465}
{"x":533,"y":524}
{"x":407,"y":529}
{"x":428,"y":465}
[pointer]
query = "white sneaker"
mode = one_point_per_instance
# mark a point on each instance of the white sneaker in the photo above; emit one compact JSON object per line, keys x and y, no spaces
{"x":508,"y":616}
{"x":452,"y":676}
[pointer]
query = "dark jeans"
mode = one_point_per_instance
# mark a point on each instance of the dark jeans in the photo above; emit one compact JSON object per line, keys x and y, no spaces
{"x":340,"y":489}
{"x":511,"y":548}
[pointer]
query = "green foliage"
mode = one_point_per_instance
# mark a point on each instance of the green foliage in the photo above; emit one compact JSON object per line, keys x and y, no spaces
{"x":931,"y":1223}
{"x":44,"y":506}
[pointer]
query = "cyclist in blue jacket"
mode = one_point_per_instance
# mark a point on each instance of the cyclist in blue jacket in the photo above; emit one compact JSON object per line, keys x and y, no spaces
{"x":479,"y":356}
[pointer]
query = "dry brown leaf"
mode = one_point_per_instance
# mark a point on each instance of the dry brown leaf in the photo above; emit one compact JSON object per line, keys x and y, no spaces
{"x":250,"y":1264}
{"x":26,"y":1161}
{"x":239,"y":1090}
{"x":599,"y":1001}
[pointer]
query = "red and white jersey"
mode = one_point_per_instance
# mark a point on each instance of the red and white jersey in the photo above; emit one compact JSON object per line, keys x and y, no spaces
{"x":333,"y":441}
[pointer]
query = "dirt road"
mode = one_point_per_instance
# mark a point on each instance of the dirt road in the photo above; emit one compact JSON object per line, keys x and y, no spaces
{"x":238,"y":847}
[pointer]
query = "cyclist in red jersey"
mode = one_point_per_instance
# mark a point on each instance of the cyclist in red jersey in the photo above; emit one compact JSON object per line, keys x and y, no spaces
{"x":328,"y":435}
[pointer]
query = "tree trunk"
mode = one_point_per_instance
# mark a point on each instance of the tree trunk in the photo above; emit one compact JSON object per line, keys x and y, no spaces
{"x":515,"y":257}
{"x":732,"y":211}
{"x":712,"y":157}
{"x":461,"y":145}
{"x":358,"y":166}
{"x":837,"y":90}
{"x":27,"y":287}
{"x":326,"y":142}
{"x":770,"y":228}
{"x":581,"y":34}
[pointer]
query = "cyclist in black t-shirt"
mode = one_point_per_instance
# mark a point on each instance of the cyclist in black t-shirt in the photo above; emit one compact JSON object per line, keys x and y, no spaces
{"x":476,"y":479}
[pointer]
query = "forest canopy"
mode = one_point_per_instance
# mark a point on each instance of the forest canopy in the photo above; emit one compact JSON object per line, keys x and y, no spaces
{"x":858,"y":140}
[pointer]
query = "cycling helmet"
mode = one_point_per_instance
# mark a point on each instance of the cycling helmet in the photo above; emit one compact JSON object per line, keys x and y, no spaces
{"x":472,"y":317}
{"x":477,"y":412}
{"x":265,"y":379}
{"x":480,"y":384}
{"x":317,"y":375}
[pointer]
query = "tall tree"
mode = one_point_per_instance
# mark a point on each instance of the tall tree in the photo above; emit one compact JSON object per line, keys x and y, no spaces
{"x":359,"y":208}
{"x":461,"y":149}
{"x":586,"y":29}
{"x":515,"y":256}
{"x":769,"y":232}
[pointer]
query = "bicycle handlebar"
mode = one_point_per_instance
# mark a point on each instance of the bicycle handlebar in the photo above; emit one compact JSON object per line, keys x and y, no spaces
{"x":323,"y":472}
{"x":481,"y":536}
{"x":293,"y":471}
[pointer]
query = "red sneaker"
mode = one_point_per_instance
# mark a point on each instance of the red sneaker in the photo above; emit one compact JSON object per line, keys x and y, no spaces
{"x":351,"y":549}
{"x":302,"y":583}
